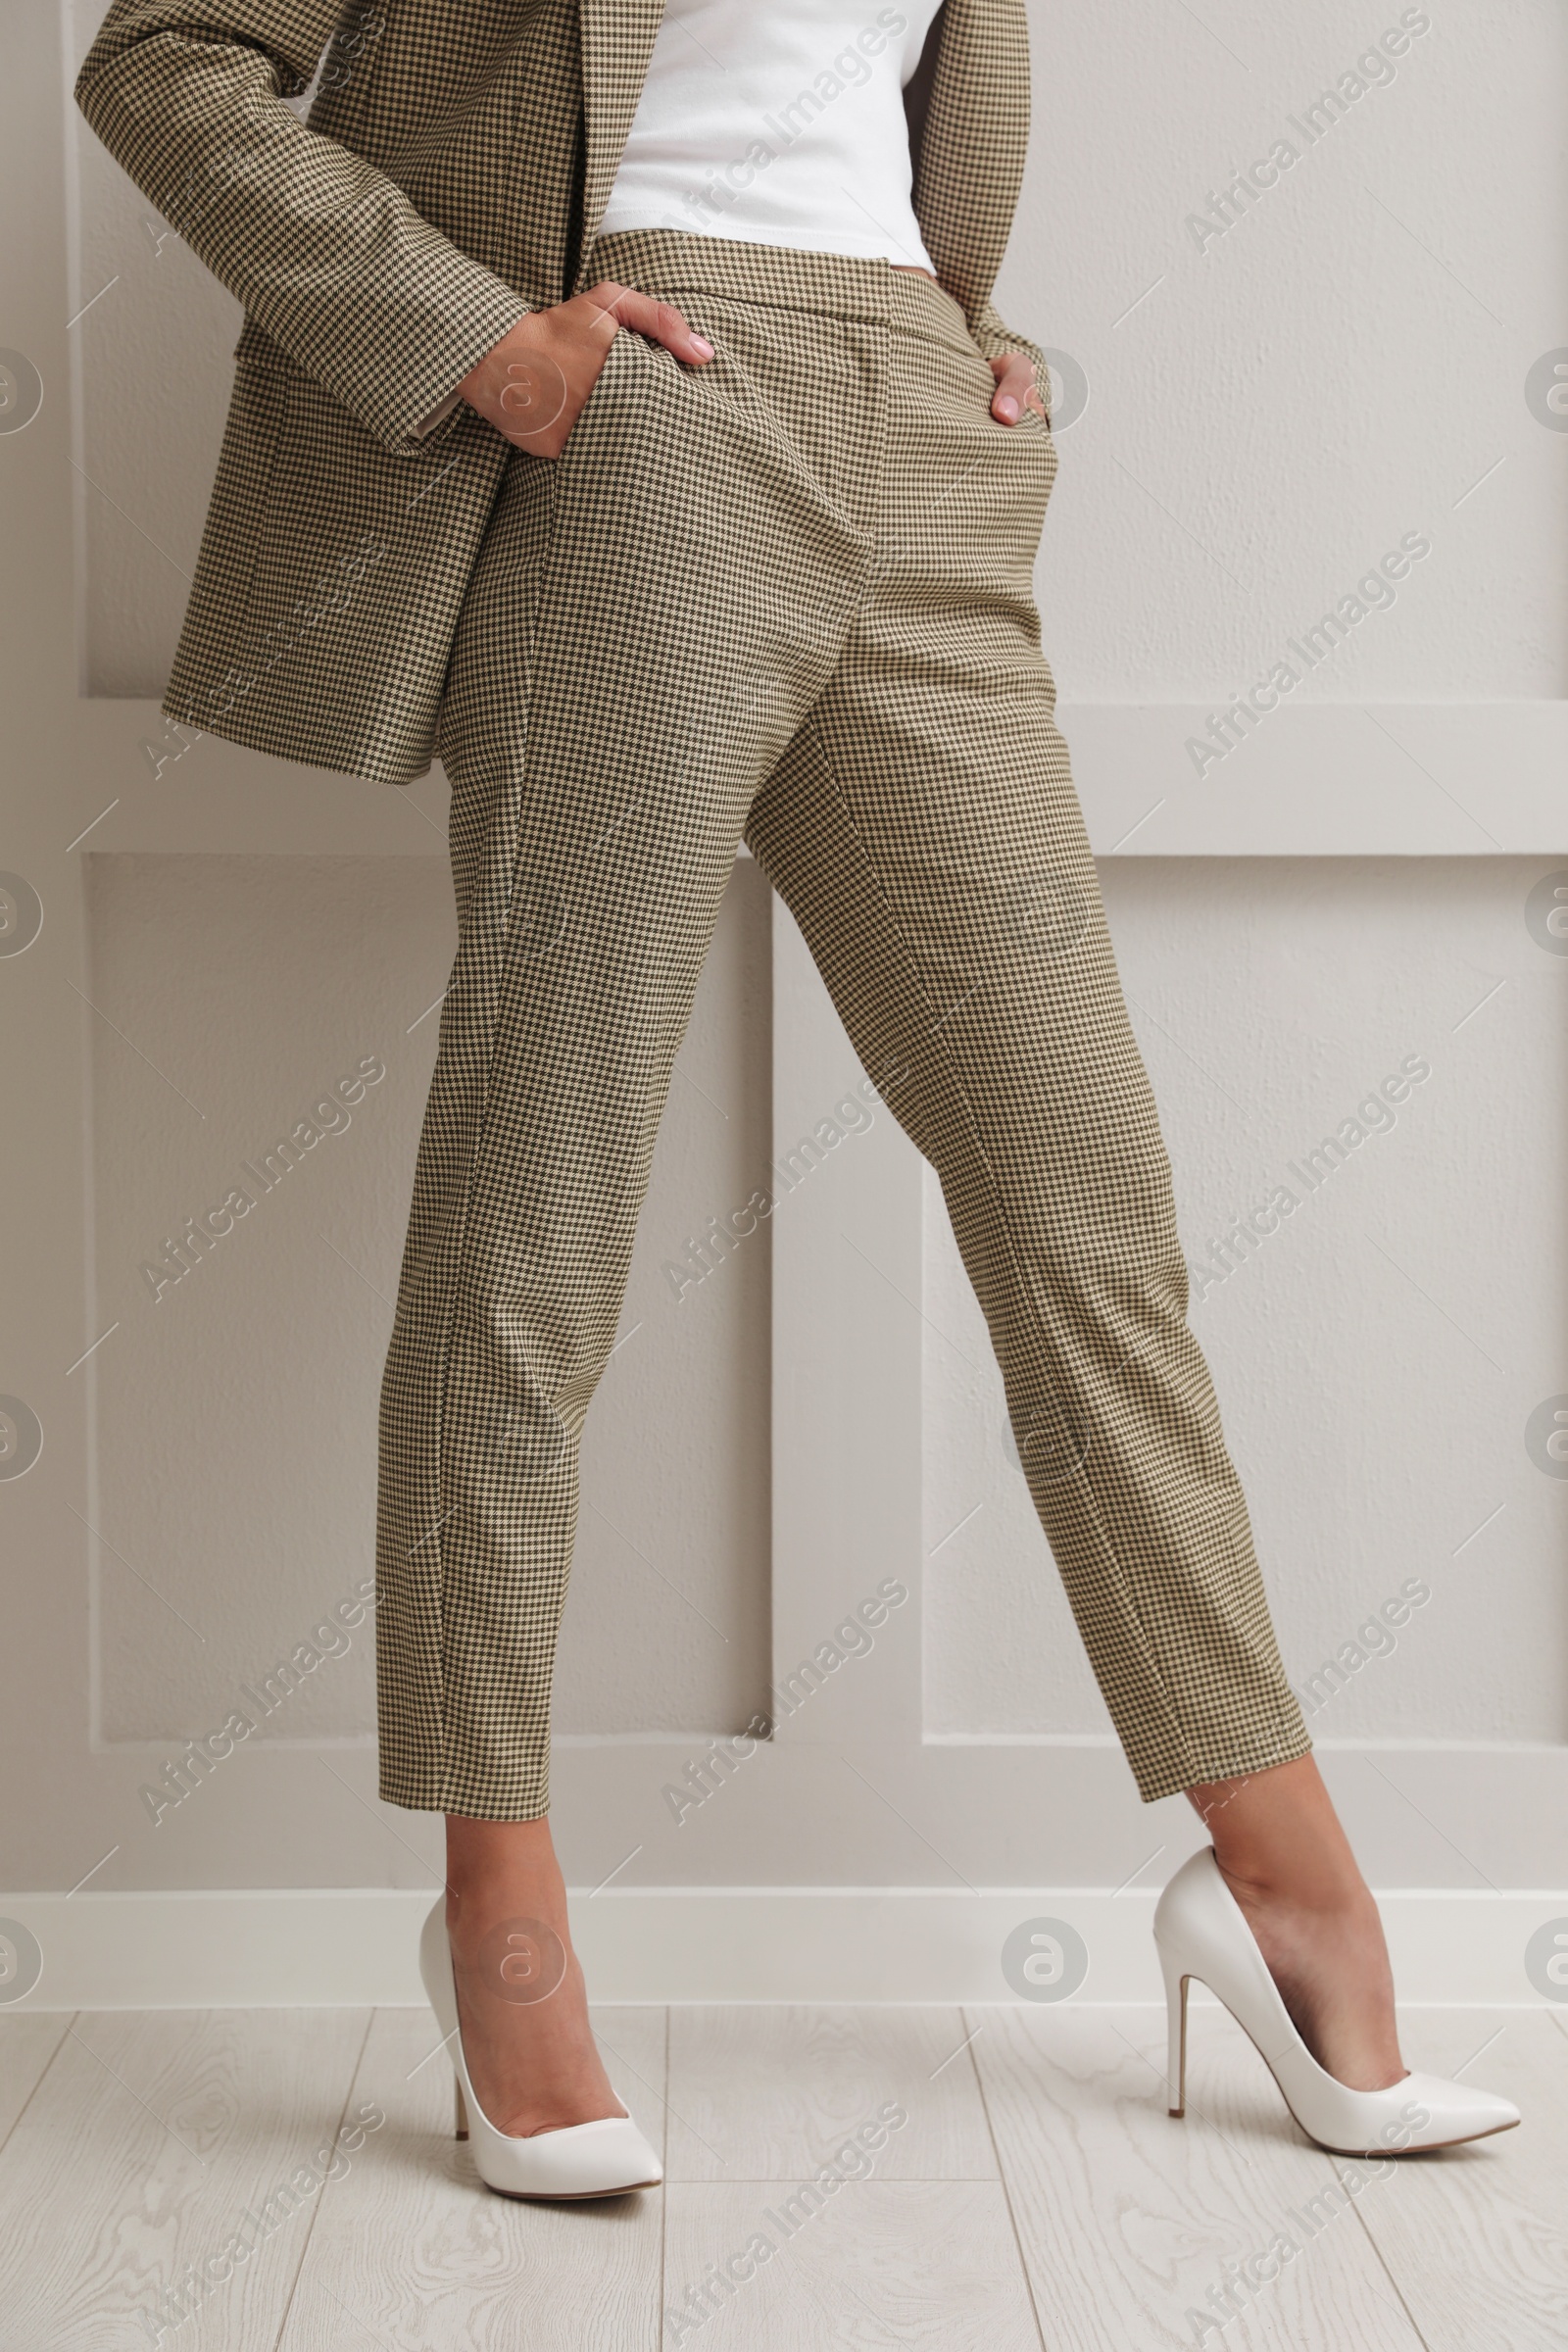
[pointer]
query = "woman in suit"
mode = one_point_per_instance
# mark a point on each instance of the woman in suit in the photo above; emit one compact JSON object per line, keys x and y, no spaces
{"x":621,"y":411}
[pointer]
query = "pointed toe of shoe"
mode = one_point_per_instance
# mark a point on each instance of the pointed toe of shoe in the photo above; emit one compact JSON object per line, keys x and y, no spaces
{"x":1443,"y":2113}
{"x":604,"y":2159}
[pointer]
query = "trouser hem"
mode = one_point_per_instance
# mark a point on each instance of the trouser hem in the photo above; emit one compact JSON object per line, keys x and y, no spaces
{"x":1233,"y":1763}
{"x":468,"y":1803}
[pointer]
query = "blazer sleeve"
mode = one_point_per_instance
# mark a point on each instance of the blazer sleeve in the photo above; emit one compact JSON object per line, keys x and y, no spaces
{"x":994,"y":339}
{"x":326,"y":254}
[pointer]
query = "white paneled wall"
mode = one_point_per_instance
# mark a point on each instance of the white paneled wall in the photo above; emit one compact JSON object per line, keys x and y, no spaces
{"x":1251,"y":415}
{"x":1381,"y":1340}
{"x":1271,"y":408}
{"x":236,"y":1411}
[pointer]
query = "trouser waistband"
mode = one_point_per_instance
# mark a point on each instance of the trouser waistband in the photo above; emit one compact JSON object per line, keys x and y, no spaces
{"x":673,"y":260}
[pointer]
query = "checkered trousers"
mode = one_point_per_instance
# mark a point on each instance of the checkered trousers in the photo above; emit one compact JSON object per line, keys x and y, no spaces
{"x":785,"y":598}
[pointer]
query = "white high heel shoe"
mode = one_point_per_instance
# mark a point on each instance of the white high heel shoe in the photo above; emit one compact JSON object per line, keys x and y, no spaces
{"x":602,"y":2159}
{"x":1201,"y":1930}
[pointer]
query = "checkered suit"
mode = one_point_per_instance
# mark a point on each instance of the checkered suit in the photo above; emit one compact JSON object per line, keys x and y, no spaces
{"x":786,"y":597}
{"x":454,"y":163}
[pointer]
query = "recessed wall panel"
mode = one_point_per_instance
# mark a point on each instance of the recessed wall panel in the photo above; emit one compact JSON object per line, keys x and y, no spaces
{"x":1387,"y":1344}
{"x":235,"y":1403}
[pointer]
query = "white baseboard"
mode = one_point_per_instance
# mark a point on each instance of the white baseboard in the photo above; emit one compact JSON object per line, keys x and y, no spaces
{"x":328,"y":1948}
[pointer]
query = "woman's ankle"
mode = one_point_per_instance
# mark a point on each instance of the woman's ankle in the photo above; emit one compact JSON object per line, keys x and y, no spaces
{"x":1278,"y":1838}
{"x":1342,"y":1895}
{"x":500,"y":1855}
{"x":505,"y":1909}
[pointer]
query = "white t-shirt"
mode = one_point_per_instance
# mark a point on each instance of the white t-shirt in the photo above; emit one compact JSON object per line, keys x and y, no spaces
{"x":778,"y":124}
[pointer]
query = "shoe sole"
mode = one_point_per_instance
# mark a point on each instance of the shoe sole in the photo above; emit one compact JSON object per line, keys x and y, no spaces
{"x":1428,"y":2147}
{"x":568,"y":2196}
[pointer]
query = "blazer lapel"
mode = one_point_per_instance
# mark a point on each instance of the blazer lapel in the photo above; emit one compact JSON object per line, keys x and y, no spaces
{"x":617,"y":40}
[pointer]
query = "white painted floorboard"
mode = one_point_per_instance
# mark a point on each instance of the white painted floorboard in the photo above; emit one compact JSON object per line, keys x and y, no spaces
{"x":1483,"y":2255}
{"x":410,"y":2252}
{"x":769,"y":2093}
{"x":1036,"y":2197}
{"x":1128,"y":2217}
{"x":146,"y":2141}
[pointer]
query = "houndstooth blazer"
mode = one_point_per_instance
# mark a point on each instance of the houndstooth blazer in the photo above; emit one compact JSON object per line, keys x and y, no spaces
{"x":449,"y":178}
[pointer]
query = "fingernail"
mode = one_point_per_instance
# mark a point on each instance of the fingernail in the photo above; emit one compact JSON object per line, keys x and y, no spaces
{"x":1008,"y":407}
{"x":701,"y":344}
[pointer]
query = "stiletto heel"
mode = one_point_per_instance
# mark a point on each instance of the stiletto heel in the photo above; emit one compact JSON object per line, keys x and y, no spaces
{"x":1201,"y":1930}
{"x":602,"y":2159}
{"x":1176,"y":1985}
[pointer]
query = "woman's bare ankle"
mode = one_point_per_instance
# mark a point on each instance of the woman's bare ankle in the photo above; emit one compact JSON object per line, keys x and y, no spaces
{"x":493,"y":1861}
{"x":1285,"y":1857}
{"x":521,"y":1999}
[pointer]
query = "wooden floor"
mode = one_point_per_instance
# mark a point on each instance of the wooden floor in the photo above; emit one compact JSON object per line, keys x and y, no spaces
{"x":1035,"y":2193}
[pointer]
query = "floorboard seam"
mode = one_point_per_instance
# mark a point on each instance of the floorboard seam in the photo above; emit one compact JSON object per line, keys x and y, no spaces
{"x":316,"y":2210}
{"x":1006,"y":2185}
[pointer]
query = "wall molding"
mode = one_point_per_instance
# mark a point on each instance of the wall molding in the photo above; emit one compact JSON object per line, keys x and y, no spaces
{"x":1373,"y":779}
{"x":1323,"y":779}
{"x":326,"y":1947}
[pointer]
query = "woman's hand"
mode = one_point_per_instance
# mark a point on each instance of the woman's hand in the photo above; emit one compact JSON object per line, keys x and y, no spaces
{"x":533,"y":386}
{"x":1016,"y":389}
